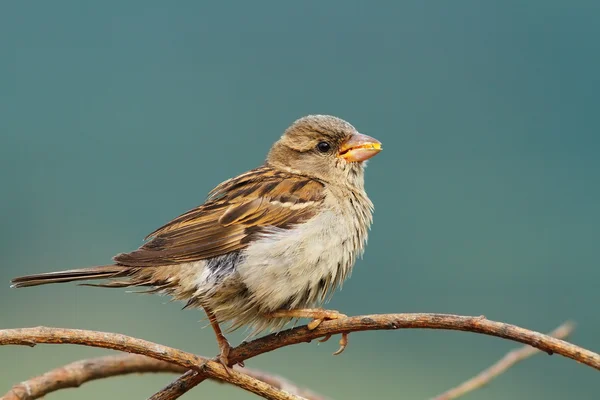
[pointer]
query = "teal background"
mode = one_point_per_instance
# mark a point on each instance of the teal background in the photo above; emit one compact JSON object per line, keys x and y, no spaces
{"x":117,"y":116}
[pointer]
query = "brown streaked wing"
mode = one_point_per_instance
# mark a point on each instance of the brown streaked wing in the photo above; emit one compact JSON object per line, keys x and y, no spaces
{"x":236,"y":211}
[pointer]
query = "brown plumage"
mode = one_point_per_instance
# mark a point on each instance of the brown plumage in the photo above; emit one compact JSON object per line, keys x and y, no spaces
{"x":270,"y":242}
{"x":235,"y":213}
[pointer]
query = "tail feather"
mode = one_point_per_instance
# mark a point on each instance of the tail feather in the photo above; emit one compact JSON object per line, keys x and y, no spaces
{"x":81,"y":274}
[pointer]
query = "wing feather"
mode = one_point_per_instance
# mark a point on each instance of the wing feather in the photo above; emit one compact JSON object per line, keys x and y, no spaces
{"x":235,"y":212}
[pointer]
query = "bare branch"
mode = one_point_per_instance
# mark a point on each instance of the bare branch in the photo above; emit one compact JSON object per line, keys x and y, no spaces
{"x":210,"y":368}
{"x":190,"y":379}
{"x":179,"y":386}
{"x":416,"y":321}
{"x":386,"y":322}
{"x":282,"y":383}
{"x":75,"y":374}
{"x":501,"y":366}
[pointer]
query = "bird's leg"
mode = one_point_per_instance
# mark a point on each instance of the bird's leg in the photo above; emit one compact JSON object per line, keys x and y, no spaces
{"x":224,"y":345}
{"x":318,"y":315}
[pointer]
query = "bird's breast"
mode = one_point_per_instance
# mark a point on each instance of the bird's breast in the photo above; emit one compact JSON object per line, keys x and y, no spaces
{"x":299,"y":267}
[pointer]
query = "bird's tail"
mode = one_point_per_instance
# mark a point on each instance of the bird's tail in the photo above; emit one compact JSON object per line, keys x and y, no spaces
{"x":81,"y":274}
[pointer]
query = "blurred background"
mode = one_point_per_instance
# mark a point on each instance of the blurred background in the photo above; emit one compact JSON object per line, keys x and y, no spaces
{"x":118,"y":116}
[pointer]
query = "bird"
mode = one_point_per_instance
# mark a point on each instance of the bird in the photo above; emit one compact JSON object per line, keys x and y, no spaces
{"x":266,"y":247}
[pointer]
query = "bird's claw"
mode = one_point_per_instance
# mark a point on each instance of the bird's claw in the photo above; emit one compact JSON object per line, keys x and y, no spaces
{"x":314,"y":324}
{"x":318,"y":316}
{"x":324,"y":315}
{"x":329,"y":315}
{"x":326,"y":338}
{"x":223,"y":357}
{"x":343,"y":344}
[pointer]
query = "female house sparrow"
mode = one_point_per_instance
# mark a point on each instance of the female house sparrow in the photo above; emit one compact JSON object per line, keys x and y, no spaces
{"x":266,"y":246}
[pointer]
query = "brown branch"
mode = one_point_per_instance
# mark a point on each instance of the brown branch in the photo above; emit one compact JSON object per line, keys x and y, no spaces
{"x":190,"y":379}
{"x":282,"y":383}
{"x":213,"y":369}
{"x":416,"y":321}
{"x":75,"y":374}
{"x":386,"y":322}
{"x":179,"y":386}
{"x":501,"y":366}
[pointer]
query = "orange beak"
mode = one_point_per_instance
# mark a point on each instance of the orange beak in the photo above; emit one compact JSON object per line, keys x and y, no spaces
{"x":359,"y":148}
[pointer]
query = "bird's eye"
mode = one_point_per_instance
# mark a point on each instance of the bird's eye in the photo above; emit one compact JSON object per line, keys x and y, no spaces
{"x":323,"y":147}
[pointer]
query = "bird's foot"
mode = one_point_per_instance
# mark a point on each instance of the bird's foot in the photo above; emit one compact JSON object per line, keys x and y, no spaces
{"x":223,"y":356}
{"x":318,"y":315}
{"x":225,"y":349}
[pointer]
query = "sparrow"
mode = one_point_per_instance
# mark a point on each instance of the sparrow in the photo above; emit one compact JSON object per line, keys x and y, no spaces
{"x":266,"y":247}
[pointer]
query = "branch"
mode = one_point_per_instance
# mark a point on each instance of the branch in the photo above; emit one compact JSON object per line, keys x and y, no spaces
{"x":75,"y":374}
{"x":282,"y":383}
{"x":209,"y":368}
{"x":501,"y":366}
{"x":374,"y":322}
{"x":389,"y":322}
{"x":191,"y":379}
{"x":179,"y":386}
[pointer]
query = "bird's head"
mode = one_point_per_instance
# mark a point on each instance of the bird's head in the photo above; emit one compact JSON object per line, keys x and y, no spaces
{"x":325,"y":147}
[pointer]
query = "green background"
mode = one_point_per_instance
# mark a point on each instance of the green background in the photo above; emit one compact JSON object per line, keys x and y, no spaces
{"x":117,"y":116}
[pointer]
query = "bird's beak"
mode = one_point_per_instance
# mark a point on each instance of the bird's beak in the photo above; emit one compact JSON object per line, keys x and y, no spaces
{"x":359,"y":147}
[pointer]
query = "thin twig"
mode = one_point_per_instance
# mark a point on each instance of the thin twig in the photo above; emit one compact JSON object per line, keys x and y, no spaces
{"x":501,"y":366}
{"x":213,"y":369}
{"x":75,"y":374}
{"x":392,"y":321}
